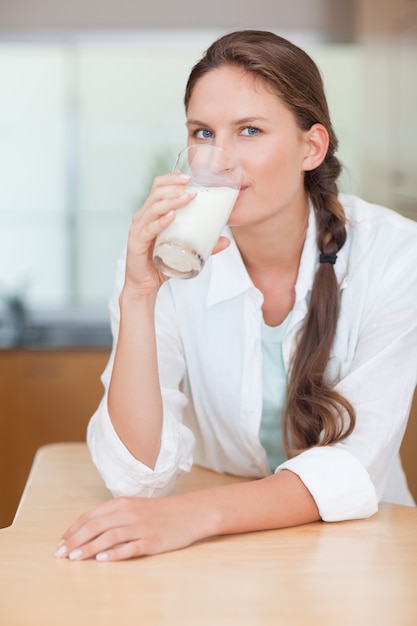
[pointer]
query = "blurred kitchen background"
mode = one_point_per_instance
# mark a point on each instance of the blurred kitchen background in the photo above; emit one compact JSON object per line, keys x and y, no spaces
{"x":90,"y":110}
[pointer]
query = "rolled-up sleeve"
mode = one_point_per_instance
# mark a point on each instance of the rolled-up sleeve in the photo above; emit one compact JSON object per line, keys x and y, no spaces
{"x":347,"y":480}
{"x":122,"y":473}
{"x":378,"y":333}
{"x":338,"y":482}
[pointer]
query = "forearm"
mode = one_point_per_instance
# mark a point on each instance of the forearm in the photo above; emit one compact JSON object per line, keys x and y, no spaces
{"x":134,"y":398}
{"x":278,"y":501}
{"x":144,"y":526}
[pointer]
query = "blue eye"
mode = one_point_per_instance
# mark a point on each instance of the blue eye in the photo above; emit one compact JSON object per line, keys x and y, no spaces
{"x":203,"y":133}
{"x":249,"y":131}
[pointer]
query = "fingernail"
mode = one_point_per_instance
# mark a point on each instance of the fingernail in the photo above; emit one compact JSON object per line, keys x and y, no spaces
{"x":75,"y":554}
{"x":184,"y":177}
{"x":188,"y":193}
{"x":62,"y":550}
{"x":102,"y":556}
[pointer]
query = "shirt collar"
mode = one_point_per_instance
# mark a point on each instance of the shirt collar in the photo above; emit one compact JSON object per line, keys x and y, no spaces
{"x":229,"y":277}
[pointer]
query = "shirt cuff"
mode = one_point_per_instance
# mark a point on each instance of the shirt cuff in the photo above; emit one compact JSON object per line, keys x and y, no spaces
{"x":338,"y":482}
{"x":123,"y":474}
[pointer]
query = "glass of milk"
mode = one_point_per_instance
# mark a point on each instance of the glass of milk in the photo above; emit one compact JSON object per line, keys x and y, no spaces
{"x":185,"y":245}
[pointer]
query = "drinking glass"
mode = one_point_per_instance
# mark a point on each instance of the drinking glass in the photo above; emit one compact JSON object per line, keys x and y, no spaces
{"x":182,"y":248}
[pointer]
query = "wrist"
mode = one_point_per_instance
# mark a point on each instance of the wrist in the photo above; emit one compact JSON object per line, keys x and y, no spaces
{"x":203,"y":516}
{"x":133,"y":296}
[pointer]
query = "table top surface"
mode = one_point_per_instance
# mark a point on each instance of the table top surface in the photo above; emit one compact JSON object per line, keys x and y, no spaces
{"x":358,"y":572}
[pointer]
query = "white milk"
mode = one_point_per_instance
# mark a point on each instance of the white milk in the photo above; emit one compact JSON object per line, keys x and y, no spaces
{"x":198,"y":225}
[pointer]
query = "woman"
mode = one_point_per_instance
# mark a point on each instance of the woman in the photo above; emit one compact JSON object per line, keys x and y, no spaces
{"x":290,"y":358}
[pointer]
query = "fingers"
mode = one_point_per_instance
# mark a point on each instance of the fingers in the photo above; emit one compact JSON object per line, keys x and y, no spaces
{"x":87,"y":528}
{"x":122,"y":552}
{"x":115,"y":530}
{"x":221,"y":245}
{"x":149,"y":222}
{"x":115,"y":544}
{"x":126,"y":550}
{"x":168,"y":193}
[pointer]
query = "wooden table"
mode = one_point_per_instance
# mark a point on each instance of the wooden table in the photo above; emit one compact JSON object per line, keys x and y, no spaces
{"x":349,"y":573}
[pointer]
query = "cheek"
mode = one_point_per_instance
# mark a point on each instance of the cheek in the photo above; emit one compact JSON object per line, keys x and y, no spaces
{"x":282,"y":168}
{"x":263,"y":163}
{"x":274,"y":173}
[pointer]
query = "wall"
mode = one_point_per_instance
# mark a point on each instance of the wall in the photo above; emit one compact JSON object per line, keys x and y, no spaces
{"x":386,"y":31}
{"x":333,"y":18}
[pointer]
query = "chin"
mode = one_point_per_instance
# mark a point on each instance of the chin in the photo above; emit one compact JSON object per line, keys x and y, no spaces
{"x":237,"y":216}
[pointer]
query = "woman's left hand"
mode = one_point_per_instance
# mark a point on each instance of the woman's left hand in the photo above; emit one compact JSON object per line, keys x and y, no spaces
{"x":128,"y":527}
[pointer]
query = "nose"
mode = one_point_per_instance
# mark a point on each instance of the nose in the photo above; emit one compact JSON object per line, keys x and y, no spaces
{"x":226,"y":144}
{"x":222,"y":161}
{"x":212,"y":165}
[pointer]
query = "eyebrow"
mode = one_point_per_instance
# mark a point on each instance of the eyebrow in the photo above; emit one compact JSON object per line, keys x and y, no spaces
{"x":238,"y":122}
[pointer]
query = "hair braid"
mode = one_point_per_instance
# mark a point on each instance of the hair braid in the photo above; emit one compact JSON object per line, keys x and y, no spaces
{"x":315,"y":412}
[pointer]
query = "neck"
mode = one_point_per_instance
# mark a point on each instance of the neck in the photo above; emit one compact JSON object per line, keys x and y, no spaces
{"x":277,"y":245}
{"x":272,"y":253}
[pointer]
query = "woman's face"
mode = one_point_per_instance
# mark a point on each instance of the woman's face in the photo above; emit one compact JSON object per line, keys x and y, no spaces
{"x":238,"y":112}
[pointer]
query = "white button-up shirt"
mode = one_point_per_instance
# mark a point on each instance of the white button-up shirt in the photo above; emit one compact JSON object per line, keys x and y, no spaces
{"x":210,"y":362}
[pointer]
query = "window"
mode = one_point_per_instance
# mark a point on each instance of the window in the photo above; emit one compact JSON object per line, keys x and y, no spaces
{"x":85,"y":124}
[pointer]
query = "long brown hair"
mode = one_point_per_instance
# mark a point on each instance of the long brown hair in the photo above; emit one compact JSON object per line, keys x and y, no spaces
{"x":315,"y":414}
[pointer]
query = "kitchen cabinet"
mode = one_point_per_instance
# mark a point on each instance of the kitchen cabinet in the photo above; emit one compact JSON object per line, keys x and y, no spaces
{"x":9,"y":490}
{"x":45,"y":396}
{"x":49,"y":396}
{"x":409,"y":447}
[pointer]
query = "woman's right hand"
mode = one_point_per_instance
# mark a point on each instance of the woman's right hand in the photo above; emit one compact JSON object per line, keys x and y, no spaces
{"x":168,"y":193}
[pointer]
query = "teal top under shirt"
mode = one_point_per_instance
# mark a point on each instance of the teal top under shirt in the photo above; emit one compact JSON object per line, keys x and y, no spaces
{"x":274,"y":378}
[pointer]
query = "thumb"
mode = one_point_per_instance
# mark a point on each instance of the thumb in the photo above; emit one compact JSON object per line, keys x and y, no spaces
{"x":221,"y":245}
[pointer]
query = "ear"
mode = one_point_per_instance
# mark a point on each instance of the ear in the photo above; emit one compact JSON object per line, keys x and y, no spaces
{"x":316,"y":143}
